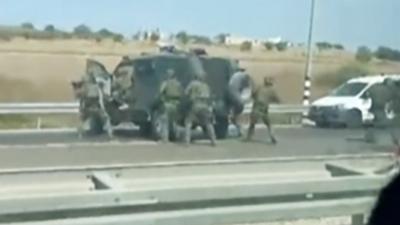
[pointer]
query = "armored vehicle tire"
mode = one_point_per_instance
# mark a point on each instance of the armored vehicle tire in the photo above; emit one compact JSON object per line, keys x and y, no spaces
{"x":145,"y":129}
{"x":221,"y":127}
{"x":322,"y":124}
{"x":95,"y":125}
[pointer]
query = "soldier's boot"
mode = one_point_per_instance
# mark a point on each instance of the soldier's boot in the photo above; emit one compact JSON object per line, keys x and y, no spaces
{"x":271,"y":135}
{"x":211,"y":134}
{"x":237,"y":126}
{"x":188,"y":130}
{"x":250,"y":132}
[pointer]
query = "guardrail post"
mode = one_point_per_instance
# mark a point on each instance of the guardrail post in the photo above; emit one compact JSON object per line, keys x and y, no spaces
{"x":39,"y":123}
{"x":357,"y":219}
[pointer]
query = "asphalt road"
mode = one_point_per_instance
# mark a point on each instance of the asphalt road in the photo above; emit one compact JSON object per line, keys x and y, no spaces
{"x":65,"y":149}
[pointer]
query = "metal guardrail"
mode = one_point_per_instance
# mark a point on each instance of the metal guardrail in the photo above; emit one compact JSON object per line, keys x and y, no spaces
{"x":73,"y":108}
{"x":210,"y":203}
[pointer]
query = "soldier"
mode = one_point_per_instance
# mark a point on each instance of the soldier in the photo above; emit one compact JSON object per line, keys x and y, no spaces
{"x":93,"y":92}
{"x":171,"y":92}
{"x":237,"y":83}
{"x":262,"y":97}
{"x":381,"y":96}
{"x":198,"y":93}
{"x":123,"y":86}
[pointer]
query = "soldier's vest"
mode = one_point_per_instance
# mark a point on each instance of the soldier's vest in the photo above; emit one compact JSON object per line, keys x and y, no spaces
{"x":173,"y":89}
{"x":263,"y":96}
{"x":380,"y":97}
{"x":200,"y":92}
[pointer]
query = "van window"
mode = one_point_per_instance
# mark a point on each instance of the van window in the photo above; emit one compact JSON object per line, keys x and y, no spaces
{"x":349,"y":89}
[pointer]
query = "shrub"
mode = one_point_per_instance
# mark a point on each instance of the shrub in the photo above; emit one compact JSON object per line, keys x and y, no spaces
{"x":118,"y":37}
{"x":363,"y":54}
{"x":338,"y":47}
{"x":182,"y":37}
{"x":154,"y":37}
{"x":246,"y":46}
{"x":83,"y":31}
{"x":386,"y":53}
{"x":50,"y":28}
{"x":324,"y":46}
{"x":281,"y":46}
{"x":269,"y":46}
{"x":28,"y":26}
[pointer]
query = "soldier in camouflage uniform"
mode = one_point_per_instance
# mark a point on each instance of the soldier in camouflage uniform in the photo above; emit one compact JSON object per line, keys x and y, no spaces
{"x":381,"y":96}
{"x":199,"y":95}
{"x":93,"y":91}
{"x":171,"y":92}
{"x":123,"y":87}
{"x":262,"y":97}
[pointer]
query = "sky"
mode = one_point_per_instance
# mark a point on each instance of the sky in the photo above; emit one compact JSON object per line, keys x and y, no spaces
{"x":350,"y":22}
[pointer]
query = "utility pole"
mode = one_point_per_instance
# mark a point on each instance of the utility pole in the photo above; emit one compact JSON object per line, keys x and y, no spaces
{"x":308,"y":70}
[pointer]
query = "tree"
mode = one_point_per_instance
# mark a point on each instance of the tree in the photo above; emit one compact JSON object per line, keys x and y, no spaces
{"x":50,"y":28}
{"x":221,"y":38}
{"x":324,"y":46}
{"x":386,"y":53}
{"x":136,"y":36}
{"x":118,"y":37}
{"x":338,"y":46}
{"x":154,"y":37}
{"x":269,"y":45}
{"x":28,"y":26}
{"x":281,"y":46}
{"x":82,"y":31}
{"x":182,"y":37}
{"x":246,"y":46}
{"x":363,"y":54}
{"x":105,"y":33}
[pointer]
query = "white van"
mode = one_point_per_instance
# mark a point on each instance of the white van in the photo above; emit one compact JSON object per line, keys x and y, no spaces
{"x":348,"y":104}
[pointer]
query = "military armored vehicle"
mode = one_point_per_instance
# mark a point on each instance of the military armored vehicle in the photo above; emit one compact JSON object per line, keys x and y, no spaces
{"x":148,"y":71}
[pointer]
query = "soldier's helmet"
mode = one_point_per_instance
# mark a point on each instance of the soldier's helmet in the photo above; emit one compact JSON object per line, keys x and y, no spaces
{"x":199,"y":76}
{"x":268,"y":81}
{"x":170,"y":73}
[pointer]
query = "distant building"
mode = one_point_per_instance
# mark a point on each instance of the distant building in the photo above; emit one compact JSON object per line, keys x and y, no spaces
{"x":145,"y":34}
{"x":238,"y":40}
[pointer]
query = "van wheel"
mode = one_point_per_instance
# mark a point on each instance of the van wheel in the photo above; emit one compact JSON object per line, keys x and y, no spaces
{"x":353,"y":119}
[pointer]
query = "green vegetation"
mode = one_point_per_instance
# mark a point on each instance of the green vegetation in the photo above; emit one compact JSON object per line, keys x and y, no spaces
{"x":323,"y":46}
{"x":28,"y":31}
{"x":364,"y":54}
{"x":281,"y":46}
{"x":49,"y":28}
{"x":221,"y":38}
{"x":182,"y":37}
{"x":334,"y":79}
{"x":269,"y":46}
{"x":246,"y":46}
{"x":28,"y":26}
{"x":386,"y":53}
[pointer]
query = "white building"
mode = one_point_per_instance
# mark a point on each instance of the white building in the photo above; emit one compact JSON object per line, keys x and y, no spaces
{"x":238,"y":40}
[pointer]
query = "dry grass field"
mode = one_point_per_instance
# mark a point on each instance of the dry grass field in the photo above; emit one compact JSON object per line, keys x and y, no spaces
{"x":32,"y":70}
